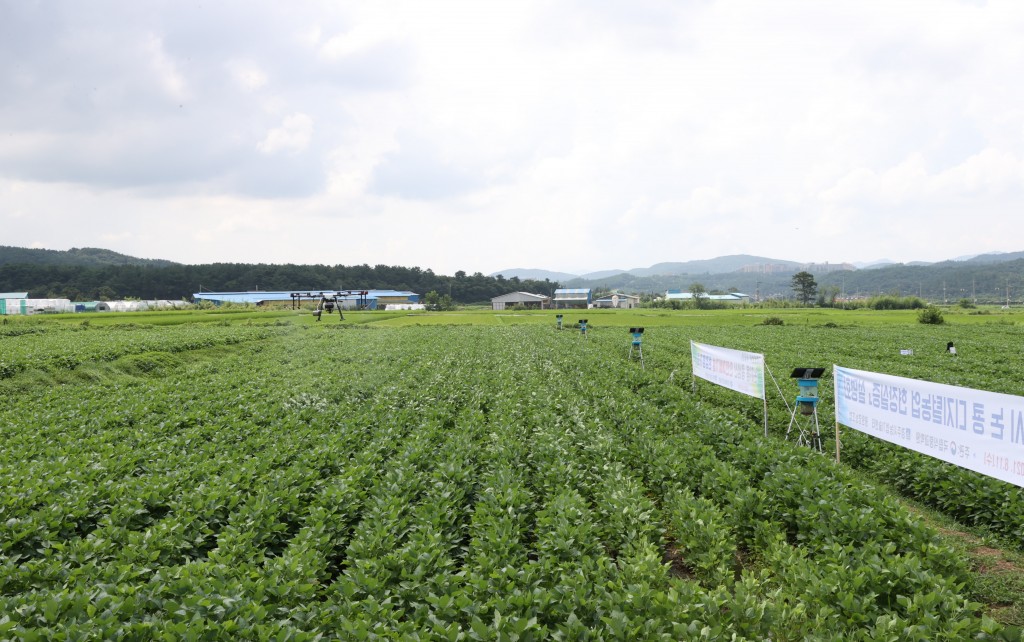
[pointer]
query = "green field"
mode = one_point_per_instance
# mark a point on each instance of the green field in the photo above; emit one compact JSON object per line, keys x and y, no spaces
{"x":243,"y":474}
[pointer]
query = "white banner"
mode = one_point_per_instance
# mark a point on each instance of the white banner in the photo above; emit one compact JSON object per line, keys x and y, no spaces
{"x":974,"y":429}
{"x":733,"y":369}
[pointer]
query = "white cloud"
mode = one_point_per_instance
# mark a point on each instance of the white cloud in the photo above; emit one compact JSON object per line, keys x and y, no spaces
{"x":293,"y":136}
{"x":165,"y":69}
{"x":989,"y":173}
{"x":480,"y":136}
{"x":247,"y":74}
{"x":356,"y":40}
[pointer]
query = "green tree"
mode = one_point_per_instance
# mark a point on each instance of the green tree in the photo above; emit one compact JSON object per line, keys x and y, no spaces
{"x":438,"y":302}
{"x":804,"y":286}
{"x":700,"y":295}
{"x":930,"y":315}
{"x":431,"y":300}
{"x":827,"y":296}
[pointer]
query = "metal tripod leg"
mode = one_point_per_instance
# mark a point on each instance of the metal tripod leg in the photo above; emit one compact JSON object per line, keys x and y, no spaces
{"x":640,"y":352}
{"x":812,"y":439}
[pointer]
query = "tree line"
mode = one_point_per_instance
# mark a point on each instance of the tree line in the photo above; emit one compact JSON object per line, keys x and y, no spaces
{"x":111,"y":282}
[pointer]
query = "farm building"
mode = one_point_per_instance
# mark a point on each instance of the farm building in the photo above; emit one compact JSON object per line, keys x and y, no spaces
{"x":733,"y":297}
{"x":617,"y":300}
{"x":20,"y":305}
{"x":374,"y":298}
{"x":525,"y":299}
{"x":572,"y":298}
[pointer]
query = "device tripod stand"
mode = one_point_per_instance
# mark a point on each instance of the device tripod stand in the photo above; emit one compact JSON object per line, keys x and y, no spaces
{"x":805,"y":411}
{"x":637,"y":345}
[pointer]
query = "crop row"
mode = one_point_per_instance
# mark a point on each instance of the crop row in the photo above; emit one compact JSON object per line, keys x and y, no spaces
{"x":63,"y":347}
{"x":446,"y":483}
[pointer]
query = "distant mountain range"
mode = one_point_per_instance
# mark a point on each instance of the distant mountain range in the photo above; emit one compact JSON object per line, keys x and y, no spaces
{"x":737,"y":263}
{"x":718,"y":265}
{"x":995,"y":257}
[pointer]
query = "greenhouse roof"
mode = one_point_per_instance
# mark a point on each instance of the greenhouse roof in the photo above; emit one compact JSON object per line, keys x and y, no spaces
{"x":735,"y":296}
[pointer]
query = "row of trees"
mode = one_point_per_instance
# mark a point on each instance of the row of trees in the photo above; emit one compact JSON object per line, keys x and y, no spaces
{"x":174,"y":282}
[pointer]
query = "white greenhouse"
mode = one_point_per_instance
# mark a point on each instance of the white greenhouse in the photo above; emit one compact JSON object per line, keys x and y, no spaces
{"x":138,"y":306}
{"x":35,"y":306}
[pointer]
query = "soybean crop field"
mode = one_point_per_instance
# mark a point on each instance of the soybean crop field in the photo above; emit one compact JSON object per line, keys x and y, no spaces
{"x":358,"y":481}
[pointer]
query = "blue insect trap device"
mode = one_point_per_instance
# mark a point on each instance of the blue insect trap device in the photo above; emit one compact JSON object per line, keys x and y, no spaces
{"x":807,"y":400}
{"x":805,"y":411}
{"x":583,"y":327}
{"x":558,"y":321}
{"x":637,"y":344}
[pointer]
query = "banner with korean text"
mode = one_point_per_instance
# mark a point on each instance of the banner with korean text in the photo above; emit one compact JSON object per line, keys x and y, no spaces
{"x":974,"y":429}
{"x":733,"y":369}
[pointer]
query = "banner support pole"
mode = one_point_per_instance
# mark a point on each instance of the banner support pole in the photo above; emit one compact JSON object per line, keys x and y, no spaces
{"x":835,"y":396}
{"x":765,"y":400}
{"x":837,"y":442}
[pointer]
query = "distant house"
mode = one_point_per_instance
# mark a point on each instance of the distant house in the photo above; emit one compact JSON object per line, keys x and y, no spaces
{"x":525,"y":299}
{"x":572,"y":298}
{"x":733,"y":297}
{"x":617,"y":300}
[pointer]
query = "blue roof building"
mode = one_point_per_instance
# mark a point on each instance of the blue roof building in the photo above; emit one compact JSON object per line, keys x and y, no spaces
{"x":373,"y":298}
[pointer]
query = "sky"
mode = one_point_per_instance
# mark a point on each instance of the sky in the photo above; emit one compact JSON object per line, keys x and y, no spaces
{"x":569,"y":135}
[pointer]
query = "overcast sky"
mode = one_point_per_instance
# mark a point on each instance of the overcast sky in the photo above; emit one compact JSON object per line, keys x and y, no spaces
{"x":479,"y":136}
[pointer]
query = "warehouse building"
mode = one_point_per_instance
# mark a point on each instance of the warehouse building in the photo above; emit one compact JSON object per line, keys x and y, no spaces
{"x":572,"y":298}
{"x":525,"y":299}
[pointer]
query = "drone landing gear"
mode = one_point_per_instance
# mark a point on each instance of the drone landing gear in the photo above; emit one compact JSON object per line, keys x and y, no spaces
{"x":328,"y":305}
{"x":331,"y":301}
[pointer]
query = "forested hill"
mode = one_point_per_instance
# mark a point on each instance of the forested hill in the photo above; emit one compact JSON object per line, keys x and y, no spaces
{"x":176,"y":281}
{"x":948,"y":281}
{"x":75,"y":256}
